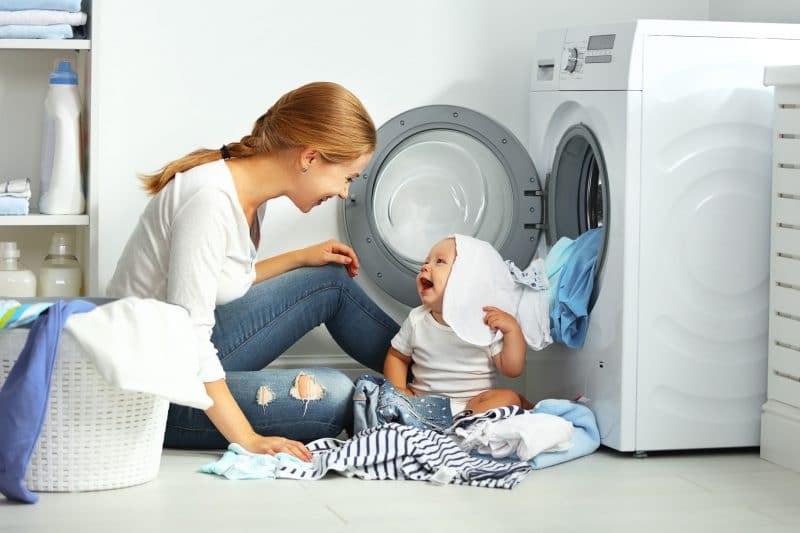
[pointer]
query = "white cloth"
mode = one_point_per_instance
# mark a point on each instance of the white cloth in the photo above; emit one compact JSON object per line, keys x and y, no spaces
{"x":444,"y":364}
{"x":143,"y":346}
{"x":192,"y":247}
{"x":19,"y":188}
{"x":42,"y":17}
{"x":481,"y":278}
{"x":525,"y":435}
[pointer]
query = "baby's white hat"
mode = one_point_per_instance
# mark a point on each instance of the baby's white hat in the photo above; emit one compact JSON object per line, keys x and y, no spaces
{"x":480,"y":277}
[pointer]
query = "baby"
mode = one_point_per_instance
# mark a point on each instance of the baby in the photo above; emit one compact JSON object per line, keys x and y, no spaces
{"x":443,"y":363}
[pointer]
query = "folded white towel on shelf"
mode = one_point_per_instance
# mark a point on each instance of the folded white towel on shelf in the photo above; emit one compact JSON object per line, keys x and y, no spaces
{"x":20,"y":188}
{"x":42,"y":17}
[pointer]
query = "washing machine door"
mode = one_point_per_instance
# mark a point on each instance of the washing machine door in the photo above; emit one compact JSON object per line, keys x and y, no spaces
{"x":577,"y":192}
{"x":439,"y":170}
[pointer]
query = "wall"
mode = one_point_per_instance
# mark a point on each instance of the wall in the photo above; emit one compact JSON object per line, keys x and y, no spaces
{"x":170,"y":79}
{"x":750,"y":11}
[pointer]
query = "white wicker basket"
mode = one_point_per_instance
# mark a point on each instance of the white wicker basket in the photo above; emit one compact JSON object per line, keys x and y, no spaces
{"x":95,"y":436}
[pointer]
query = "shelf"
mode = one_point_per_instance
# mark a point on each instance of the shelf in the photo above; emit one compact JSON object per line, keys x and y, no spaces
{"x":46,"y":44}
{"x":35,"y":219}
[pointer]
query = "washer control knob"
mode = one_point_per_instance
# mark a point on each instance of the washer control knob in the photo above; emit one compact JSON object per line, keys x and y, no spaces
{"x":569,"y":59}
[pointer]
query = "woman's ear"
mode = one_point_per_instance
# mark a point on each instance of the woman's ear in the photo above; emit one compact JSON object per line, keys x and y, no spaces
{"x":308,"y":156}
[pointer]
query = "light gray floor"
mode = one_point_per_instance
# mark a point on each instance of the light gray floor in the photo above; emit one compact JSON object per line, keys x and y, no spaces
{"x":607,"y":491}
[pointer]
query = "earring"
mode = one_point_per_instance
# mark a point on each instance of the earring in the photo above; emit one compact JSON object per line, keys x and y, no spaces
{"x":305,"y":169}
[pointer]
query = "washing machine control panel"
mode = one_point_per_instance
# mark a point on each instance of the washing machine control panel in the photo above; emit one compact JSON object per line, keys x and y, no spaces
{"x":592,"y":50}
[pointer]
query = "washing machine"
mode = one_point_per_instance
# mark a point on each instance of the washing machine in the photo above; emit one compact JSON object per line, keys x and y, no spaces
{"x":657,"y":132}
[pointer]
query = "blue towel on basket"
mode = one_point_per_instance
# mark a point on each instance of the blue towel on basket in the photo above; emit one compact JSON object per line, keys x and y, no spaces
{"x":24,"y":395}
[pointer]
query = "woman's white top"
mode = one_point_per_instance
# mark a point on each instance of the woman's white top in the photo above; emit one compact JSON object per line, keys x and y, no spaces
{"x":192,"y":247}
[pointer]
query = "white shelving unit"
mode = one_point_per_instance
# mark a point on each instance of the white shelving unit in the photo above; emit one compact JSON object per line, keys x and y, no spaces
{"x":25,"y":65}
{"x":780,"y":419}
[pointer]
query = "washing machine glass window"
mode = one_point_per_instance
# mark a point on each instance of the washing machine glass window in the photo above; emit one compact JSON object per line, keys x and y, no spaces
{"x":578,"y":191}
{"x":439,"y":170}
{"x":437,"y":183}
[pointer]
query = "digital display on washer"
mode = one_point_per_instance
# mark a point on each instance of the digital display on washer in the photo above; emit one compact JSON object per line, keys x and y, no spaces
{"x":601,"y":42}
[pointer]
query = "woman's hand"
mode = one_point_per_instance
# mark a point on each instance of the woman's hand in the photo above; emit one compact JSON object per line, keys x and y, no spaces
{"x":330,"y":252}
{"x":273,"y":445}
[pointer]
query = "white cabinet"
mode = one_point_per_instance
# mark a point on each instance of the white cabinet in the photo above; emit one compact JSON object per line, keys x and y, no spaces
{"x":25,"y":65}
{"x":780,"y":421}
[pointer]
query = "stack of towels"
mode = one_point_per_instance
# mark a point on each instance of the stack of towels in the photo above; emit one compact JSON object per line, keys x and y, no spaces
{"x":15,"y":197}
{"x":40,"y":19}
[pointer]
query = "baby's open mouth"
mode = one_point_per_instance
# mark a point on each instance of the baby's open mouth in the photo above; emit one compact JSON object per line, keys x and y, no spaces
{"x":426,"y":283}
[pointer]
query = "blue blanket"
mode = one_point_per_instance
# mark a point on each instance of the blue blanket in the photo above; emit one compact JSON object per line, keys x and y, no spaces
{"x":24,"y":395}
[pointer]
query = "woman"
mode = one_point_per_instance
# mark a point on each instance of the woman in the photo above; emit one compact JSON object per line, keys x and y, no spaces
{"x":195,"y":246}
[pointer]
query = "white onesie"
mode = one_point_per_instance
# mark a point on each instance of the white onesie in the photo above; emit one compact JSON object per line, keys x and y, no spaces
{"x":444,"y":364}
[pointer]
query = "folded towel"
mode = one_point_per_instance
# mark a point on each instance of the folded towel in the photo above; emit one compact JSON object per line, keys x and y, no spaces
{"x":20,"y":188}
{"x":42,"y":17}
{"x":10,"y":205}
{"x":58,"y":5}
{"x":19,"y":31}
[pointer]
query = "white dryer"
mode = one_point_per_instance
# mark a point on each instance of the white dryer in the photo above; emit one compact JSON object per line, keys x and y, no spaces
{"x":671,"y":122}
{"x":656,"y":131}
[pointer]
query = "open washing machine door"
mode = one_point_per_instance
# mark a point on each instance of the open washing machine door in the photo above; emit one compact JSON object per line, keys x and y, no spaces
{"x":439,"y":170}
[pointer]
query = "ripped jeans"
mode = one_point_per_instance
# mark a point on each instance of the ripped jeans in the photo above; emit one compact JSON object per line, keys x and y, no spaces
{"x":254,"y":330}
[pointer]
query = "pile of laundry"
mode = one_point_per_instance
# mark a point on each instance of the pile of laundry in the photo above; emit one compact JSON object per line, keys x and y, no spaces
{"x":15,"y":197}
{"x":414,"y":441}
{"x":41,"y":19}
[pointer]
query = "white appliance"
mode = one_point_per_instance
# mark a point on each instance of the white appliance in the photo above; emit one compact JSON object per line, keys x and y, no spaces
{"x":660,"y":131}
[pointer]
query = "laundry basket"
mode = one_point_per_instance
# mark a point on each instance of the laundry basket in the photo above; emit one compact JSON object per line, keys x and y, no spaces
{"x":95,"y":436}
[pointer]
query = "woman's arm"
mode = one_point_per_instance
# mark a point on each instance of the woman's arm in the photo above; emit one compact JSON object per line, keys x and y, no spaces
{"x":317,"y":255}
{"x":228,"y":418}
{"x":395,"y":369}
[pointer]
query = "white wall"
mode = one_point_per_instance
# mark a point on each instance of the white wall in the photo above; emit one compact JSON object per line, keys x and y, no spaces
{"x":755,"y":11}
{"x":170,"y":78}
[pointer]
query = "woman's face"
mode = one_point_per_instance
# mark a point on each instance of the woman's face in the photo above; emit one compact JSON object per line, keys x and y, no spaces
{"x":325,"y":180}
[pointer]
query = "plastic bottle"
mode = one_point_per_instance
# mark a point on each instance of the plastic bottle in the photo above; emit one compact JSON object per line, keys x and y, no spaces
{"x":61,"y":180}
{"x":15,"y":280}
{"x":60,"y":274}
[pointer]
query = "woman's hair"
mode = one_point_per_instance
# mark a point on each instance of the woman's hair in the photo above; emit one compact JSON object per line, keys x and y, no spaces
{"x":321,"y":115}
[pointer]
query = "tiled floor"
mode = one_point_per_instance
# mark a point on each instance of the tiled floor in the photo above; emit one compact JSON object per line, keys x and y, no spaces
{"x":607,"y":491}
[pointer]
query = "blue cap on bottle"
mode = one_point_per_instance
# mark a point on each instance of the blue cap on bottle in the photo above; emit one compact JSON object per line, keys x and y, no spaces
{"x":63,"y":74}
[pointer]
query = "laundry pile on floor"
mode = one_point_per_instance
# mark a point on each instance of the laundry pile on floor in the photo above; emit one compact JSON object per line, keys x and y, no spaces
{"x":494,"y":449}
{"x":15,"y":197}
{"x":41,"y":19}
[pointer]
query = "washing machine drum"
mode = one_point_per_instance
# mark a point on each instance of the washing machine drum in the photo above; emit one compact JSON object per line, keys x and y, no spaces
{"x":439,"y":170}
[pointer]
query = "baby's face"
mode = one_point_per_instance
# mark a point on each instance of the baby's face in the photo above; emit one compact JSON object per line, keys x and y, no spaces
{"x":432,"y":278}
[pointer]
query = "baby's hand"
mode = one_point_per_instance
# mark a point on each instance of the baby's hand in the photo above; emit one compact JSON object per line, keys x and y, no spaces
{"x":498,"y":319}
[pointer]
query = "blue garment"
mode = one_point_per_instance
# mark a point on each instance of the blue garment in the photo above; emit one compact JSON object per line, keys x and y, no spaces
{"x":23,"y":398}
{"x":237,"y":463}
{"x":56,"y":5}
{"x":252,"y":331}
{"x":376,"y":401}
{"x":25,"y":31}
{"x":569,"y":317}
{"x":13,"y":205}
{"x":585,"y":435}
{"x":554,"y":264}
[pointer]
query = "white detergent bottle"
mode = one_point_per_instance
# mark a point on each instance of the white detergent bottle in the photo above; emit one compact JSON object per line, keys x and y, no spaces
{"x":60,"y":274}
{"x":61,"y":181}
{"x":15,"y":280}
